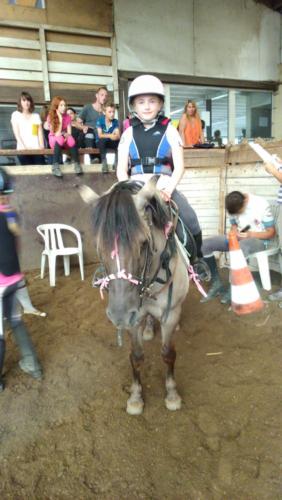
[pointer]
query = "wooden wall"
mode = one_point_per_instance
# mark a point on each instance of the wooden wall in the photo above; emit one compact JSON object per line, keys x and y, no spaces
{"x":88,"y":14}
{"x":209,"y":176}
{"x":66,"y":49}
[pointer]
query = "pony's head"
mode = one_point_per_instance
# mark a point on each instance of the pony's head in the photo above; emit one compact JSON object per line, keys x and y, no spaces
{"x":129,"y":223}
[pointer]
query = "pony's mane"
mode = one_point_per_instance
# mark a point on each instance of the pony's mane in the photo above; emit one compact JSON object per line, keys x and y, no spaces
{"x":115,"y":214}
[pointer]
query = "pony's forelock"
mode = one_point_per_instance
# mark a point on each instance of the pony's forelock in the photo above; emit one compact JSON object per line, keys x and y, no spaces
{"x":115,"y":216}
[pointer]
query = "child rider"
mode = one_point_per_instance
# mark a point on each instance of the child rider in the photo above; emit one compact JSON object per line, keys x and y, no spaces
{"x":152,"y":146}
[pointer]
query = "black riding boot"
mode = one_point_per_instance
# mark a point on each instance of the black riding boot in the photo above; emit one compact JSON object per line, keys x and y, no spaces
{"x":29,"y":362}
{"x":2,"y":357}
{"x":216,"y":287}
{"x":200,"y":265}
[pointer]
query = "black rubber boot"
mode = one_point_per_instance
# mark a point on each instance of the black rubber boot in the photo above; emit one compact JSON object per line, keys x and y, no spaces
{"x":29,"y":362}
{"x":216,"y":287}
{"x":199,"y":241}
{"x":2,"y":357}
{"x":226,"y":296}
{"x":200,"y":265}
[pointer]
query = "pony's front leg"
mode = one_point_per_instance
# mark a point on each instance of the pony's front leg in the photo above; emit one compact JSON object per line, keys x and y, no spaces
{"x":135,"y":403}
{"x":148,"y":332}
{"x":172,"y":400}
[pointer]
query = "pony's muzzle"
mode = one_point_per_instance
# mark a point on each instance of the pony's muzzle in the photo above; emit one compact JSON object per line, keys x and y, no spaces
{"x":123,"y":319}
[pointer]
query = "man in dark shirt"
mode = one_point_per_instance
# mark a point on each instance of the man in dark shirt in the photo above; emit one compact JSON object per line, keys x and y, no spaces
{"x":89,"y":115}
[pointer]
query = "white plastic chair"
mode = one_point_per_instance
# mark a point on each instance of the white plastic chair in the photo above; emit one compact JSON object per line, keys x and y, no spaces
{"x":262,"y":257}
{"x":54,"y":246}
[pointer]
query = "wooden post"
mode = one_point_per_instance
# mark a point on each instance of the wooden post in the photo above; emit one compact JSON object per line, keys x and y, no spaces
{"x":44,"y":61}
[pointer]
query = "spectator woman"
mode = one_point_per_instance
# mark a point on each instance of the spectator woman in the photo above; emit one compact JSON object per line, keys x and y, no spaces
{"x":60,"y":136}
{"x":190,"y":126}
{"x":27,"y":128}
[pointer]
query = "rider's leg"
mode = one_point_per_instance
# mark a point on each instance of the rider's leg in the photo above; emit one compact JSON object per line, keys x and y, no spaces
{"x":210,"y":245}
{"x":29,"y":362}
{"x":190,"y":219}
{"x":25,"y":301}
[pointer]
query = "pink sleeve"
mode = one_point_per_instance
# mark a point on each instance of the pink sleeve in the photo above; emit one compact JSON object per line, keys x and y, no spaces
{"x":66,"y":121}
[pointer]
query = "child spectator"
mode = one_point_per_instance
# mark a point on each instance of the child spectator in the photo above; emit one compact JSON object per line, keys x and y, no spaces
{"x":76,"y":128}
{"x":10,"y":277}
{"x":60,"y":136}
{"x":27,"y":128}
{"x":108,"y":133}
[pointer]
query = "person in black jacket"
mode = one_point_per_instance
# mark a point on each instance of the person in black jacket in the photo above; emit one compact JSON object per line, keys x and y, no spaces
{"x":10,"y":277}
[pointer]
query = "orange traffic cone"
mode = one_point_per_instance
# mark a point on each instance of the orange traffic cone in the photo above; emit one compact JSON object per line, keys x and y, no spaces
{"x":245,"y":298}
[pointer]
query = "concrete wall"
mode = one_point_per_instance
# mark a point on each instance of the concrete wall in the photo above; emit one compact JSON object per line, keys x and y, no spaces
{"x":221,"y":39}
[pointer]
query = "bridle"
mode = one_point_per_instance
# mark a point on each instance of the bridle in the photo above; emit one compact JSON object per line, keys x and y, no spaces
{"x":144,"y":282}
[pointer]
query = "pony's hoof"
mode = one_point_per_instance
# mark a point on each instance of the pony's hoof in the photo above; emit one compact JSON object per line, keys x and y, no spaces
{"x":135,"y":407}
{"x":174,"y":403}
{"x":148,"y":334}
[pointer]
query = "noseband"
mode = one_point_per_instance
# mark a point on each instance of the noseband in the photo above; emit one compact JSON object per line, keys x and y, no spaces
{"x":144,"y":283}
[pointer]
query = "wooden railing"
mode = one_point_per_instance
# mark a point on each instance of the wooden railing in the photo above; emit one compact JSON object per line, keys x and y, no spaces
{"x":16,"y":152}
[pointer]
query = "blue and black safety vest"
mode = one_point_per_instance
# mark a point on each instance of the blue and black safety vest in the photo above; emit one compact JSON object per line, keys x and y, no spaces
{"x":150,"y":151}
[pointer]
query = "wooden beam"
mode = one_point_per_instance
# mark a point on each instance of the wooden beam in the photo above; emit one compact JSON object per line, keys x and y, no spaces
{"x":87,"y":79}
{"x":7,"y":74}
{"x":44,"y":62}
{"x":35,"y":152}
{"x":19,"y":43}
{"x":78,"y":49}
{"x":115,"y":70}
{"x":60,"y":29}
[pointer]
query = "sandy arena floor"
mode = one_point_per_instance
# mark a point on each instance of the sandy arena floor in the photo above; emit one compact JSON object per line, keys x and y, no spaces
{"x":69,"y":437}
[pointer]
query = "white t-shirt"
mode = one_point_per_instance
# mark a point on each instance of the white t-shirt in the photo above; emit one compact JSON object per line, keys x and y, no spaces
{"x":173,"y":139}
{"x":27,"y":126}
{"x":257,"y":214}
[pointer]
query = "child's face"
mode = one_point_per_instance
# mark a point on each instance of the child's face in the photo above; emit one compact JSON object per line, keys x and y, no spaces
{"x":25,"y":104}
{"x":110,"y":113}
{"x":71,"y":114}
{"x":147,"y":106}
{"x":62,"y":107}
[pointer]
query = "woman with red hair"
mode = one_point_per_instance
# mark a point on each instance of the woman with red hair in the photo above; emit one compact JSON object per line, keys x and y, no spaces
{"x":60,"y":135}
{"x":190,"y":125}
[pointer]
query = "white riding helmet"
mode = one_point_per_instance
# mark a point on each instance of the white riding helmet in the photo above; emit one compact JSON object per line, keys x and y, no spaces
{"x":145,"y":84}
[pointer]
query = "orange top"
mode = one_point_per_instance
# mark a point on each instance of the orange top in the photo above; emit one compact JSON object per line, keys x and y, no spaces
{"x":193,"y":132}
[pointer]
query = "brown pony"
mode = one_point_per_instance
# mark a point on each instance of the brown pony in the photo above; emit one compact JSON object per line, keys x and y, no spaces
{"x":144,"y":273}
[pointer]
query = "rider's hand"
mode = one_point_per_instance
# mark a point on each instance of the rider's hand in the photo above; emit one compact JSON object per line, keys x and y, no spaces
{"x":166,"y":195}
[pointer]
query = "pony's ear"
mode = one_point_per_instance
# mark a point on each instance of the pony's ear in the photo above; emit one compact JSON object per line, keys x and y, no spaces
{"x":88,"y":195}
{"x":146,"y":193}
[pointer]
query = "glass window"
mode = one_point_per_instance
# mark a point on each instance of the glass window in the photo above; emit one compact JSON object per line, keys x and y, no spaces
{"x":252,"y":110}
{"x":212,"y":103}
{"x":253,"y":114}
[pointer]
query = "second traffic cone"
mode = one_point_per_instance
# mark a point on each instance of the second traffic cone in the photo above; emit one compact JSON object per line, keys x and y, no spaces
{"x":245,"y":298}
